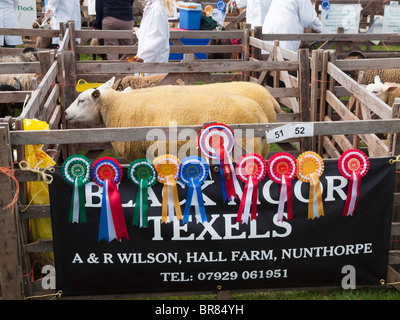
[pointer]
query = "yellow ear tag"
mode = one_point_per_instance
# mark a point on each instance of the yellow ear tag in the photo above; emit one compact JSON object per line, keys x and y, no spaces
{"x":83,"y":85}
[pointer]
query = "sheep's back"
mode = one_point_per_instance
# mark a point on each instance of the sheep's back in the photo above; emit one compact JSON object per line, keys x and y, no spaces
{"x":246,"y":89}
{"x":137,"y":108}
{"x":386,"y":75}
{"x":26,"y":80}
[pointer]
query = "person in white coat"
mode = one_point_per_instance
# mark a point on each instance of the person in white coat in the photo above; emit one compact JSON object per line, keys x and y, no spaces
{"x":256,"y":10}
{"x":8,"y":19}
{"x":153,"y":34}
{"x":63,"y":11}
{"x":289,"y":17}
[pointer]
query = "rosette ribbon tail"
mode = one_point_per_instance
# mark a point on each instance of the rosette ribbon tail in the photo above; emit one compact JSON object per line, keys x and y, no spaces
{"x":285,"y":196}
{"x":315,"y":206}
{"x":112,"y":220}
{"x":106,"y":228}
{"x":195,"y":198}
{"x":117,"y":211}
{"x":289,"y":203}
{"x":353,"y":193}
{"x":141,"y":213}
{"x":170,"y":201}
{"x":227,"y":174}
{"x":254,"y":198}
{"x":248,"y":203}
{"x":77,"y":212}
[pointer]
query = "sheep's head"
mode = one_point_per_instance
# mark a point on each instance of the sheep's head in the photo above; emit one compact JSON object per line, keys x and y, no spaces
{"x":30,"y":54}
{"x":85,"y":107}
{"x":380,"y":89}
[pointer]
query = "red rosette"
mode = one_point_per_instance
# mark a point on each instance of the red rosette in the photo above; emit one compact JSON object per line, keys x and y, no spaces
{"x":281,"y":164}
{"x":353,"y":165}
{"x":251,"y":164}
{"x":251,"y":169}
{"x":353,"y":160}
{"x":282,"y":169}
{"x":106,"y":168}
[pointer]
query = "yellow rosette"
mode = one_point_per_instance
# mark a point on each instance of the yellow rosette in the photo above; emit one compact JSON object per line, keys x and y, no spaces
{"x":310,"y":167}
{"x":167,"y":167}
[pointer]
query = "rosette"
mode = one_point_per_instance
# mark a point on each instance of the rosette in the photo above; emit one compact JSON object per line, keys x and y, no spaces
{"x":167,"y":167}
{"x":216,"y":141}
{"x":193,"y":172}
{"x":353,"y":165}
{"x":208,"y":9}
{"x":282,"y":169}
{"x":250,"y":169}
{"x":310,"y":167}
{"x":107,"y":173}
{"x":76,"y":171}
{"x":326,"y":5}
{"x":142,"y":174}
{"x":220,"y":5}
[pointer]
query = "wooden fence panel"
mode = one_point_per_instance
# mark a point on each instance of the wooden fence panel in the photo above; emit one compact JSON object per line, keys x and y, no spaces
{"x":10,"y":266}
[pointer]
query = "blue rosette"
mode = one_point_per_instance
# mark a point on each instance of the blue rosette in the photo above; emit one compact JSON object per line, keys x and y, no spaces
{"x":326,"y":5}
{"x":193,"y":172}
{"x":220,"y":5}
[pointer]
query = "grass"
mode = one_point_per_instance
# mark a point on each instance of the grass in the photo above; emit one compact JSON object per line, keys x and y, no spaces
{"x":334,"y":294}
{"x":384,"y":293}
{"x":372,"y":47}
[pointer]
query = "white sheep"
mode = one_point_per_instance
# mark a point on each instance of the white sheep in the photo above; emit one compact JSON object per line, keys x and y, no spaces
{"x":138,"y":108}
{"x":387,"y":91}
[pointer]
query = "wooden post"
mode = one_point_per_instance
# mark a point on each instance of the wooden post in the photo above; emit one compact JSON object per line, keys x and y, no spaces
{"x":395,"y":151}
{"x":322,"y":104}
{"x":23,"y":224}
{"x":276,"y":74}
{"x":223,"y":294}
{"x":69,"y":89}
{"x":61,"y":80}
{"x":70,"y":78}
{"x":304,"y":87}
{"x":358,"y":112}
{"x":315,"y":65}
{"x":188,"y":78}
{"x":339,"y":44}
{"x":10,"y":271}
{"x":257,"y":52}
{"x":71,"y":26}
{"x":331,"y":82}
{"x":395,"y":144}
{"x":257,"y":34}
{"x":46,"y":60}
{"x":246,"y":50}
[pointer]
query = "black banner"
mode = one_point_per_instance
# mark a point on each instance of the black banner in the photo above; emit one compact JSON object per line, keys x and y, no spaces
{"x":223,"y":254}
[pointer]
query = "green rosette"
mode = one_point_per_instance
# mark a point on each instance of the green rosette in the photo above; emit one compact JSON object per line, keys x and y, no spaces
{"x":141,"y":172}
{"x":76,"y":170}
